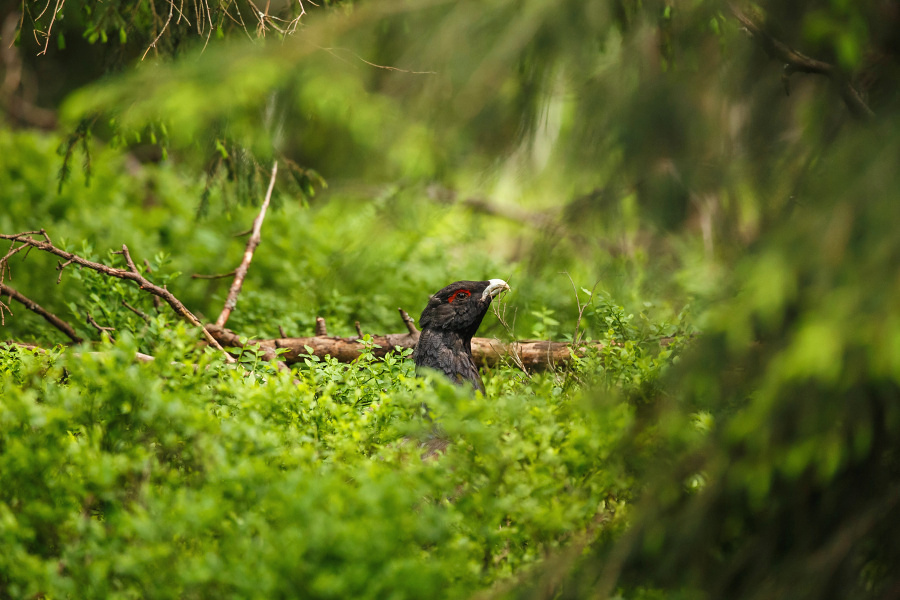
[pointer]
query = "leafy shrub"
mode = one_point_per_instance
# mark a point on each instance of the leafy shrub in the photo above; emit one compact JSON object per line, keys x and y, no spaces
{"x":186,"y":477}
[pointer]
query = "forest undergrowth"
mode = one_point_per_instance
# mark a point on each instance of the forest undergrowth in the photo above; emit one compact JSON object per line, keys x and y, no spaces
{"x":188,"y":477}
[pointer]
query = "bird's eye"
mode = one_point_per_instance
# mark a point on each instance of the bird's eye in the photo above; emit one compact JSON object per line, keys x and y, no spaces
{"x":459,"y":295}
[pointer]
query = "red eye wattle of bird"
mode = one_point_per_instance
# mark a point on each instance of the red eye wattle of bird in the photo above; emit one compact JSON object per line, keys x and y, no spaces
{"x":459,"y":294}
{"x":448,"y":324}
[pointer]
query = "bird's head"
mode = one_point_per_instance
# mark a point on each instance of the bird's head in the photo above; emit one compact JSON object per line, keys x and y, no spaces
{"x":461,"y":306}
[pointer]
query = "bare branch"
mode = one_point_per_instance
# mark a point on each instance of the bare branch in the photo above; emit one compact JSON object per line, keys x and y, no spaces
{"x":59,"y":267}
{"x":36,"y":308}
{"x":130,"y":274}
{"x":219,"y":276}
{"x":56,"y":9}
{"x":139,"y":313}
{"x":100,"y":328}
{"x":408,"y":320}
{"x":252,"y":243}
{"x":796,"y":62}
{"x":161,"y":31}
{"x":359,"y":330}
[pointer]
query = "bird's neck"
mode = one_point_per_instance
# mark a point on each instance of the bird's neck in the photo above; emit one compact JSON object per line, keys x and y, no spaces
{"x":455,"y":340}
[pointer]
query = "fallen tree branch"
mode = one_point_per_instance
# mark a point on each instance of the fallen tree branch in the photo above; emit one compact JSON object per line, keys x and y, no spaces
{"x":34,"y":307}
{"x":528,"y":354}
{"x":796,"y":62}
{"x":252,"y":243}
{"x":131,"y":274}
{"x":533,"y":354}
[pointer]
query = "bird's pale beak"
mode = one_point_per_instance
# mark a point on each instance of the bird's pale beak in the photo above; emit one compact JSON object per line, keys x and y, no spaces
{"x":496,"y":286}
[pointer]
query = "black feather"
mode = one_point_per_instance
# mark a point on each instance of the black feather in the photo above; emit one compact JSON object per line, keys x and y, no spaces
{"x":448,"y":323}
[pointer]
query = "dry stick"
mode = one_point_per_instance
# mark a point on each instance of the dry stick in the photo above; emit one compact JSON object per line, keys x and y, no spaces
{"x":410,"y":324}
{"x":252,"y":243}
{"x":162,"y":31}
{"x":796,"y":62}
{"x":36,"y":308}
{"x":219,"y":276}
{"x":56,"y":9}
{"x":166,"y":295}
{"x":130,"y":274}
{"x":100,"y":328}
{"x":136,"y":311}
{"x":4,"y":262}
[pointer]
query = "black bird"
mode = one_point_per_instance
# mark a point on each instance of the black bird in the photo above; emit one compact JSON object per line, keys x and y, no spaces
{"x":448,"y":323}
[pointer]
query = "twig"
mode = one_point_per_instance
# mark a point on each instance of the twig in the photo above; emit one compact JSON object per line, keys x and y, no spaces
{"x":408,"y":320}
{"x":796,"y":62}
{"x":252,"y":243}
{"x":219,"y":276}
{"x":136,"y":311}
{"x":59,"y":267}
{"x":56,"y":9}
{"x":358,"y":330}
{"x":130,"y":274}
{"x":499,"y":309}
{"x":581,"y":308}
{"x":334,"y":52}
{"x":161,"y":31}
{"x":281,"y":331}
{"x":100,"y":328}
{"x":36,"y":308}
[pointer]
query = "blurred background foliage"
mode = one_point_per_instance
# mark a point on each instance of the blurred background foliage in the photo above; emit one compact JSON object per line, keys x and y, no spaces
{"x":653,"y":150}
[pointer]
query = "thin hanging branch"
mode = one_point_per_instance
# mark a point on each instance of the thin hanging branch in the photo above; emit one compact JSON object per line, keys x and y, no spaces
{"x":252,"y":243}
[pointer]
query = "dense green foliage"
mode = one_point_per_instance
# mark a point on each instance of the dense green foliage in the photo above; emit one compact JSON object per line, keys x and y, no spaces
{"x":660,"y":154}
{"x":124,"y":479}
